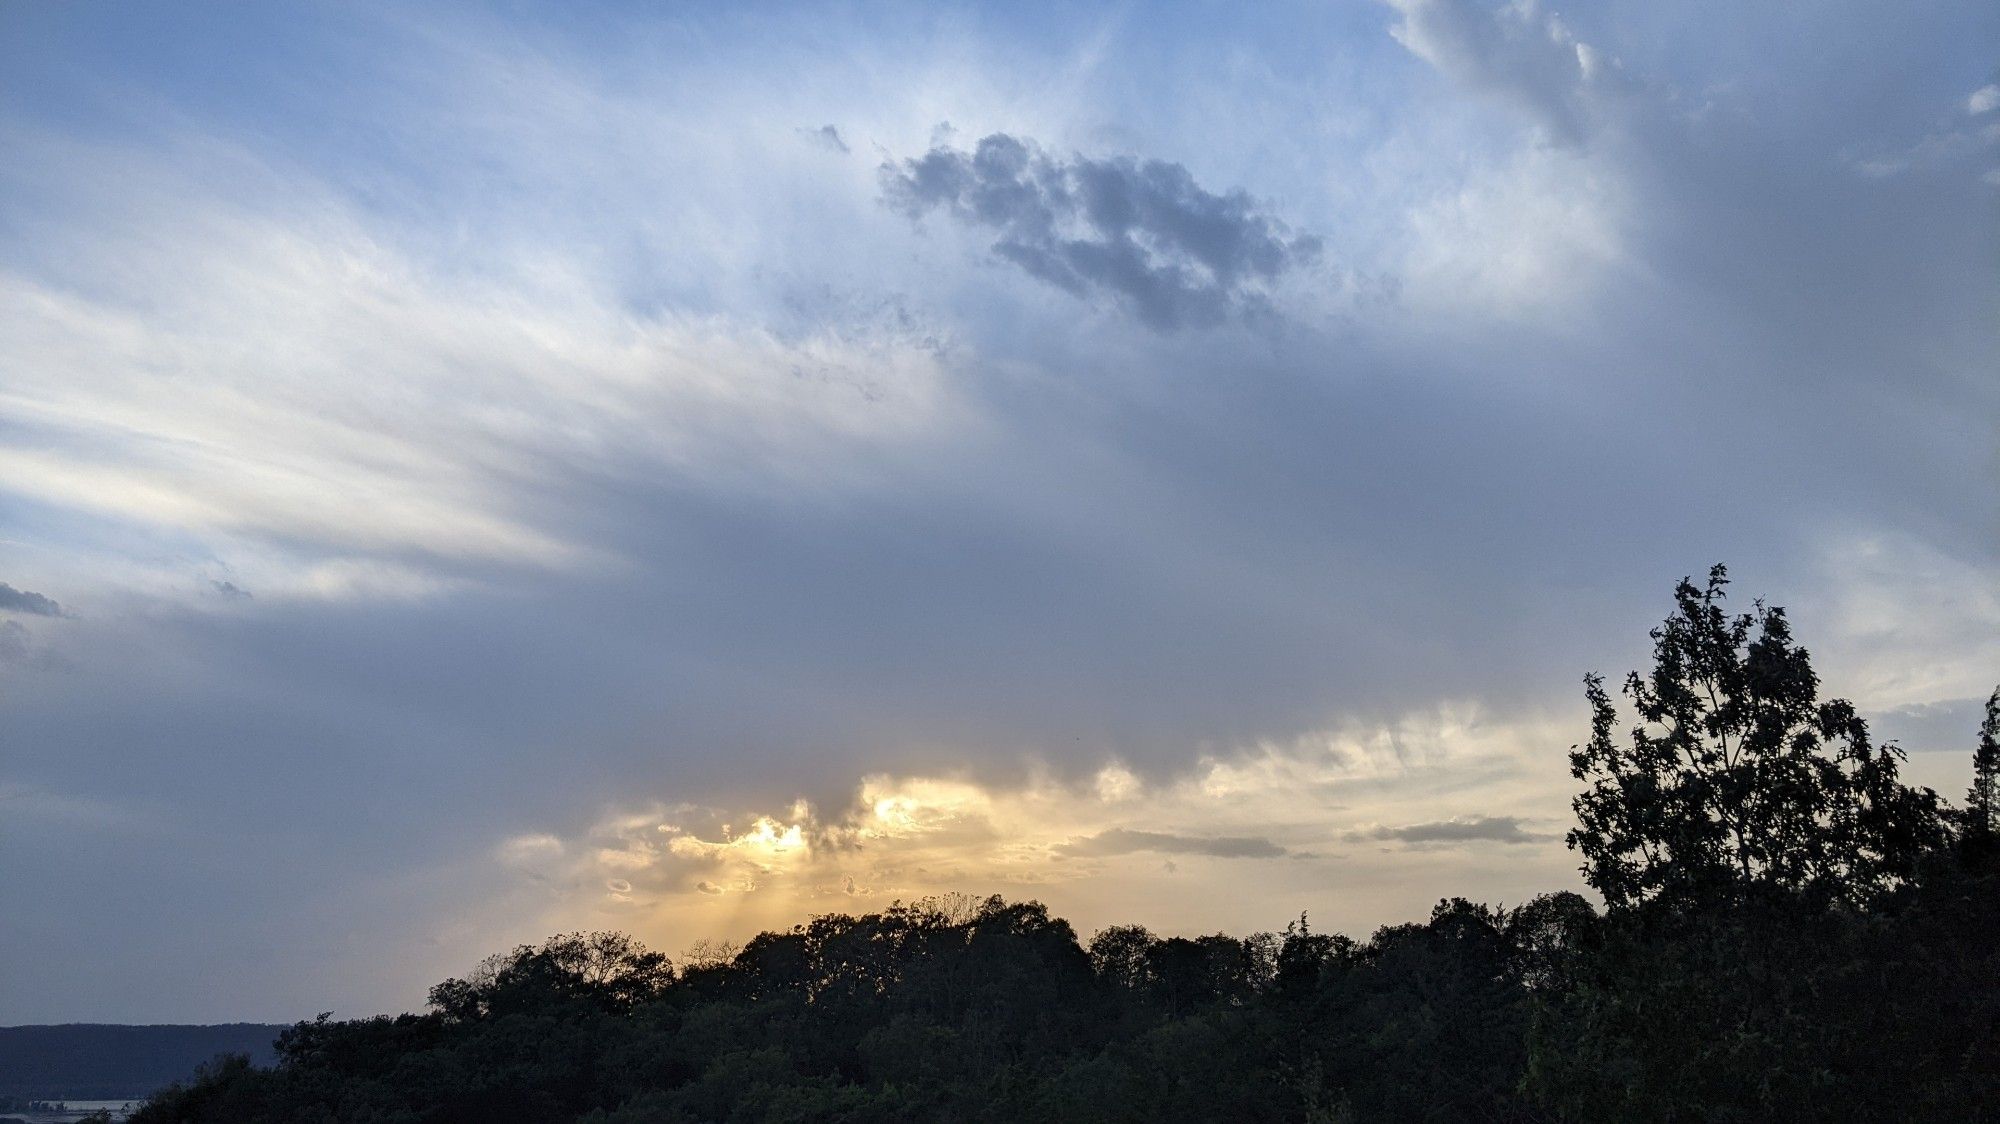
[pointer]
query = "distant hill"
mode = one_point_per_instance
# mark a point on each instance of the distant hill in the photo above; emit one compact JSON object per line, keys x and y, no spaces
{"x":98,"y":1061}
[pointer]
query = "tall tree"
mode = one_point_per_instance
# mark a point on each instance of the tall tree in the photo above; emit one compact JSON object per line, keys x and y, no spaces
{"x":1736,"y":777}
{"x":1982,"y":801}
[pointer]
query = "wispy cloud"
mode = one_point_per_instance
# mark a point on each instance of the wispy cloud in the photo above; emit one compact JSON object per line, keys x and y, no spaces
{"x":1463,"y":829}
{"x":372,"y":417}
{"x":828,"y":136}
{"x":1125,"y":841}
{"x":1518,"y":52}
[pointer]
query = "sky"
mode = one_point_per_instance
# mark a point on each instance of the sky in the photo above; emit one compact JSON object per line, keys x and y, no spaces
{"x":474,"y":472}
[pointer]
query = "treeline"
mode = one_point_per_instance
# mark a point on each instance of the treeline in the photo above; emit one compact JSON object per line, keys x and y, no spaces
{"x":1788,"y":932}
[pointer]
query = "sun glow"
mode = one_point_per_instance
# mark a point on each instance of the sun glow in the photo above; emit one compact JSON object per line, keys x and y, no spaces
{"x":1329,"y":810}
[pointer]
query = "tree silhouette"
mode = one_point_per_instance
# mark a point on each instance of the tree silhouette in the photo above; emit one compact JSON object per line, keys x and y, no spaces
{"x":1118,"y":955}
{"x":1982,"y":800}
{"x":607,"y":970}
{"x":1737,"y":778}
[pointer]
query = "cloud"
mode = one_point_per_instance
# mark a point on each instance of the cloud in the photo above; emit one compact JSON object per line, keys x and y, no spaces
{"x":1514,"y":52}
{"x":1461,"y":829}
{"x":13,"y":642}
{"x":1177,"y":255}
{"x":528,"y":851}
{"x":1985,"y":99}
{"x":914,"y":836}
{"x":610,"y":447}
{"x":829,"y":137}
{"x":480,"y":393}
{"x":1124,"y":841}
{"x":27,"y":601}
{"x":1945,"y":726}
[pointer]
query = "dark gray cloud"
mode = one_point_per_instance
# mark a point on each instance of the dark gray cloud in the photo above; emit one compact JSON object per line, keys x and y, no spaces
{"x":1177,"y":255}
{"x":27,"y":601}
{"x":1124,"y":841}
{"x":230,"y":590}
{"x":1463,"y":829}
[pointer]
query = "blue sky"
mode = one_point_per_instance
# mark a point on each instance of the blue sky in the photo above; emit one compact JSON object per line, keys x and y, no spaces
{"x":472,"y":472}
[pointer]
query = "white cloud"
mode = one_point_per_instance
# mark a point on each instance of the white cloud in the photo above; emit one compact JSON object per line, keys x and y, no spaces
{"x":276,"y":375}
{"x":1532,"y":238}
{"x":1896,"y":622}
{"x":1516,"y":52}
{"x":1985,"y":99}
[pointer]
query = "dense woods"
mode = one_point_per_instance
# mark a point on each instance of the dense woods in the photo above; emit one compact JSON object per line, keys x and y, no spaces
{"x":1783,"y":929}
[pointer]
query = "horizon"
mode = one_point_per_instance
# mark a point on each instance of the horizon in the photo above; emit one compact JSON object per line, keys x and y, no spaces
{"x":467,"y":475}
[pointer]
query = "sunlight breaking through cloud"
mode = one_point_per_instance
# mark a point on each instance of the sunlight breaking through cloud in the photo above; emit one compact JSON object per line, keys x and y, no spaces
{"x":1314,"y":805}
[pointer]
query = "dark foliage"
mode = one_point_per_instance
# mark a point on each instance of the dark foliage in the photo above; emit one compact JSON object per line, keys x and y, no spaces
{"x":1790,"y":934}
{"x":1738,"y":781}
{"x":1982,"y":800}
